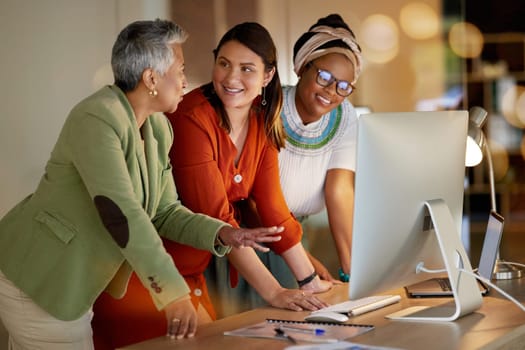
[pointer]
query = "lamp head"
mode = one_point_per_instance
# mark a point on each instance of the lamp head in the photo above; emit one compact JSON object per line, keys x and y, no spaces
{"x":478,"y":116}
{"x":476,"y":138}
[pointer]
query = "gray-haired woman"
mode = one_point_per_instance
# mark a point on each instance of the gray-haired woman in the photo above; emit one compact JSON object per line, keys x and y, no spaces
{"x":106,"y":196}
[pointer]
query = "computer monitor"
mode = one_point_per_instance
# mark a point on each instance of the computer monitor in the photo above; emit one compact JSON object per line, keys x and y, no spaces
{"x":408,"y":207}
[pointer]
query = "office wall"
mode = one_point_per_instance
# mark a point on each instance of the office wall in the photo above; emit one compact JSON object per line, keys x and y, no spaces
{"x":54,"y":53}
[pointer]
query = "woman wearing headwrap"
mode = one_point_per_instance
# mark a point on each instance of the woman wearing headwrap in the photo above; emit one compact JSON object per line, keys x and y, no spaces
{"x":317,"y":165}
{"x":318,"y":161}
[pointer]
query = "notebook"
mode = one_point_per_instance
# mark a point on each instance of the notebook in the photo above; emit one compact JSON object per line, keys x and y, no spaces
{"x":301,"y":331}
{"x":440,"y":286}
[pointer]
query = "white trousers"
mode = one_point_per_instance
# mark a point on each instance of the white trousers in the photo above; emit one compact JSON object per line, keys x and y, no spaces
{"x":30,"y":327}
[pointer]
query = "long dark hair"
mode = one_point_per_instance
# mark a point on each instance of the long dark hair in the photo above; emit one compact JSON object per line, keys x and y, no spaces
{"x":255,"y":37}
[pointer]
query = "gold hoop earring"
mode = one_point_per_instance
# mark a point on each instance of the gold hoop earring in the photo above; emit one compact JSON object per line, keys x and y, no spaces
{"x":153,"y":93}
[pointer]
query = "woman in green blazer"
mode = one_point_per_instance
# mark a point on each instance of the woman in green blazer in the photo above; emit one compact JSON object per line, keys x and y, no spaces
{"x":106,"y":196}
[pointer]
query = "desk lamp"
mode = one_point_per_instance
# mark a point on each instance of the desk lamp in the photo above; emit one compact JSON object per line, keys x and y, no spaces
{"x":476,"y":145}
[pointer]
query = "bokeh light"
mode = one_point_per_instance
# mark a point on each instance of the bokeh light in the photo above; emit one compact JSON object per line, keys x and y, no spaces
{"x":513,"y":106}
{"x":419,"y":21}
{"x":520,"y":105}
{"x":500,"y":159}
{"x":379,"y":38}
{"x":465,"y":40}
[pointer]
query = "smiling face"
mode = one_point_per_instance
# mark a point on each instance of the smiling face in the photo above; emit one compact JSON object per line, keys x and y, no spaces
{"x":313,"y":100}
{"x":172,"y":84}
{"x":238,"y":75}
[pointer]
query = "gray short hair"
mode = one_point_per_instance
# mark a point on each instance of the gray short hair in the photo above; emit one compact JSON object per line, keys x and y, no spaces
{"x":141,"y":45}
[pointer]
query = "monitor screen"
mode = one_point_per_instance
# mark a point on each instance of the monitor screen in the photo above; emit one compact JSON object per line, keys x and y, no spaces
{"x":409,"y":201}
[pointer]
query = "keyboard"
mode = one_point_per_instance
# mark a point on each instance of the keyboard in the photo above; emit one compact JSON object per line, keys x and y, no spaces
{"x":362,"y":305}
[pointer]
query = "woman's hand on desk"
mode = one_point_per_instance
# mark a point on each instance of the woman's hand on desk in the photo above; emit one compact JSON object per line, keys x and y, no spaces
{"x":249,"y":237}
{"x":182,"y":318}
{"x":296,"y":300}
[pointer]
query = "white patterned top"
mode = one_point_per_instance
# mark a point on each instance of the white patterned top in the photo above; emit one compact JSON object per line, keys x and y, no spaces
{"x":311,"y":150}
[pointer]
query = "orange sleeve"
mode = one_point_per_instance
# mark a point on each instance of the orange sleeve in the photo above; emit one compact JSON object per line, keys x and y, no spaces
{"x":270,"y":202}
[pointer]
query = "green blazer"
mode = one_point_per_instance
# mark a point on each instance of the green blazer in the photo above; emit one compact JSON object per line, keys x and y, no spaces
{"x":98,"y":211}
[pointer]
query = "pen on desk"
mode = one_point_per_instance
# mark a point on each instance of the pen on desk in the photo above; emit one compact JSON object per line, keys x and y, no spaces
{"x":314,"y":331}
{"x":281,"y":333}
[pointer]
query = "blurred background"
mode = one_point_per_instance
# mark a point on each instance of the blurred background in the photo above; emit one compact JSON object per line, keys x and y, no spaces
{"x":419,"y":55}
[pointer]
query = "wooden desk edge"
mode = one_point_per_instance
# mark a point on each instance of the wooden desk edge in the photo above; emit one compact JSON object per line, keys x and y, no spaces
{"x":513,"y":339}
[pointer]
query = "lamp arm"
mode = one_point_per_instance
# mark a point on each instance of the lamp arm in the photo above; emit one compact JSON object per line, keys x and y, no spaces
{"x":491,"y":177}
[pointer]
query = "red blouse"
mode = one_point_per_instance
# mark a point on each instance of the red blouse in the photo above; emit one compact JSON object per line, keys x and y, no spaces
{"x":209,"y":182}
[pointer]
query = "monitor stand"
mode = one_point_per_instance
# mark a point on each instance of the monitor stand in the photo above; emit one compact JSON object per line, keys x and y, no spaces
{"x":467,"y":297}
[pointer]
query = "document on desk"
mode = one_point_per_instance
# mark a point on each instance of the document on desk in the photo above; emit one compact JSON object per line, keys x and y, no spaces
{"x":301,"y":331}
{"x":343,"y":345}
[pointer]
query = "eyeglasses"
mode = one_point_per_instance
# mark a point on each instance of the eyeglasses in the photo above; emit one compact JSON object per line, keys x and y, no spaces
{"x":324,"y":78}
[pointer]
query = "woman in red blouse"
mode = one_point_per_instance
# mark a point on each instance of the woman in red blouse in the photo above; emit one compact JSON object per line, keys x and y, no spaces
{"x":226,"y":139}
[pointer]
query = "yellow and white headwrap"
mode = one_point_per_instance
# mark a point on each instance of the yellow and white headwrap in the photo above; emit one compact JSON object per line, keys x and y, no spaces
{"x":323,"y":34}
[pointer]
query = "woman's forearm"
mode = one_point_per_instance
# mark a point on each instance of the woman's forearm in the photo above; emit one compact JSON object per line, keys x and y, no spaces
{"x":261,"y":279}
{"x":298,"y":262}
{"x":248,"y":264}
{"x":303,"y":270}
{"x":339,"y":195}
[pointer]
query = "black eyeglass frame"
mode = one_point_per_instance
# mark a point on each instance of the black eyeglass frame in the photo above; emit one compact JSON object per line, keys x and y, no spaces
{"x":332,"y":80}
